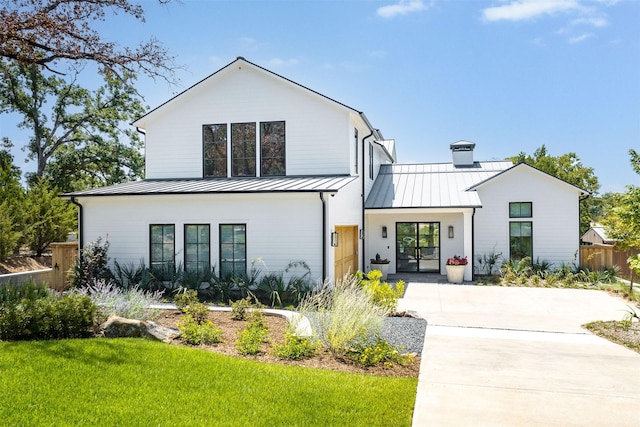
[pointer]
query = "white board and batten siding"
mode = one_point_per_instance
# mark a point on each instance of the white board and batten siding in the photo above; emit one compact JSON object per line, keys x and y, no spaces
{"x":280,"y":228}
{"x":555,"y":213}
{"x":317,"y":129}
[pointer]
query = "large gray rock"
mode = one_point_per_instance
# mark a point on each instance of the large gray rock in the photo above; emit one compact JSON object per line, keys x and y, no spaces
{"x":121,"y":327}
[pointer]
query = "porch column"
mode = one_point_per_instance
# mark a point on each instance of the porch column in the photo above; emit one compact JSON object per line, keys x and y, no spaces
{"x":468,"y":244}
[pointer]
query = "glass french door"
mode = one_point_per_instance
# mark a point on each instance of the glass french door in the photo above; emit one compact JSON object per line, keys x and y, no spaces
{"x":418,"y":247}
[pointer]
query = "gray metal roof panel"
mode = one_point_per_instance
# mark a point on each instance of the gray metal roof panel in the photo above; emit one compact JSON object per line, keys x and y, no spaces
{"x":430,"y":185}
{"x":221,"y":185}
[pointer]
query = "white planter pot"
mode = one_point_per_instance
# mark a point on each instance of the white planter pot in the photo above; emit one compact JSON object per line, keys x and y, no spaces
{"x":384,"y":269}
{"x":455,"y":273}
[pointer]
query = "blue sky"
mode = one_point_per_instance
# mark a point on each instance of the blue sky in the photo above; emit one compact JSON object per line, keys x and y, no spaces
{"x":509,"y":75}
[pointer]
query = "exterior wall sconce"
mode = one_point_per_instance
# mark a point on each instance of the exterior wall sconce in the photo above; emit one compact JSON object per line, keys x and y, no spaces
{"x":361,"y":234}
{"x":451,"y":231}
{"x":384,"y":231}
{"x":334,"y":239}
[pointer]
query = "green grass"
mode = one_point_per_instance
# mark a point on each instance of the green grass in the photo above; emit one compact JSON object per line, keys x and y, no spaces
{"x":109,"y":382}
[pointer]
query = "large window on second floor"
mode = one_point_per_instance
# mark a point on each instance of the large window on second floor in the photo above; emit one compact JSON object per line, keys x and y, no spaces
{"x":214,"y":139}
{"x":243,"y":149}
{"x":272,"y":149}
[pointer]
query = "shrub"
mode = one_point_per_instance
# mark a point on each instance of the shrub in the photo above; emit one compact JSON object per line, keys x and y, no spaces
{"x":92,"y":264}
{"x":343,"y":315}
{"x":250,"y":339}
{"x":195,"y":333}
{"x":70,"y":316}
{"x":198,"y":312}
{"x":382,"y":293}
{"x":184,"y":298}
{"x":371,"y":353}
{"x":240,"y":308}
{"x":132,"y":303}
{"x":14,"y":292}
{"x":296,"y":348}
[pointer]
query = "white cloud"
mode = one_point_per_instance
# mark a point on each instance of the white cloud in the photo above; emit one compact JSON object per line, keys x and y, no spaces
{"x":596,"y":21}
{"x":401,"y":8}
{"x":278,"y":62}
{"x":528,"y":9}
{"x":580,"y":38}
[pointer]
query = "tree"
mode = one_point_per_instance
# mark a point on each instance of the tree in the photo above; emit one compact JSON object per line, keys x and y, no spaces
{"x":568,"y":168}
{"x":48,"y":217}
{"x":46,"y":32}
{"x":11,"y":196}
{"x":77,"y":136}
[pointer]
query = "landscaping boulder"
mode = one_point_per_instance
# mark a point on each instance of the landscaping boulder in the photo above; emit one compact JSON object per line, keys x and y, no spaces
{"x":121,"y":327}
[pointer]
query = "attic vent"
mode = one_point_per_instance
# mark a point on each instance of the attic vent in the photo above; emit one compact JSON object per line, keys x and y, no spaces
{"x":462,"y":153}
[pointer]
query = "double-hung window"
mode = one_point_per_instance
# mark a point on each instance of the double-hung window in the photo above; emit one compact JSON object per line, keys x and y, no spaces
{"x":272,"y":149}
{"x":520,"y":232}
{"x":162,"y":242}
{"x":197,"y":248}
{"x":233,"y":250}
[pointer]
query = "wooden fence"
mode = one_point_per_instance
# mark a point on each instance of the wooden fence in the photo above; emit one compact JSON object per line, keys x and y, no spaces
{"x":598,"y":256}
{"x":63,"y":257}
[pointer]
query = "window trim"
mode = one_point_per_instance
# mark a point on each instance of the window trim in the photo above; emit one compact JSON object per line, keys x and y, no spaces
{"x":520,"y":215}
{"x":184,"y":239}
{"x":220,"y":226}
{"x":163,"y":263}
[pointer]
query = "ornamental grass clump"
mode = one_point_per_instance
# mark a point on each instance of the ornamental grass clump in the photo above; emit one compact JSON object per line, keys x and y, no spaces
{"x":343,"y":315}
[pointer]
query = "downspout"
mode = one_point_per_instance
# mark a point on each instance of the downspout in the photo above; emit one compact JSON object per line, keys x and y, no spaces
{"x":324,"y":236}
{"x":362,"y":255}
{"x":581,"y":199}
{"x":80,"y":223}
{"x":473,"y":244}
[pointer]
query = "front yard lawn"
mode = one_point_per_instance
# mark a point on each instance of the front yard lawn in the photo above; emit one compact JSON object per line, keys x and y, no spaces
{"x":138,"y":382}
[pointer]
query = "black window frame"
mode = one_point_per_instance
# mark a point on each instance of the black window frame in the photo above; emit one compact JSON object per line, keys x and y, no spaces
{"x":236,"y":272}
{"x":206,"y":265}
{"x":249,"y":169}
{"x":520,"y":254}
{"x":520,"y":214}
{"x":370,"y":160}
{"x":163,"y":265}
{"x":224,"y":172}
{"x":264,"y":169}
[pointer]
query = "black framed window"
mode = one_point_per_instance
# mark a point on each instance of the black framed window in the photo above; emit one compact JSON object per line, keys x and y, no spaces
{"x":233,"y":250}
{"x":197,"y":247}
{"x":214,"y":146}
{"x":370,"y":160}
{"x":520,"y":240}
{"x":272,"y":149}
{"x":355,"y":142}
{"x":163,"y":243}
{"x":520,"y":210}
{"x":243,"y":149}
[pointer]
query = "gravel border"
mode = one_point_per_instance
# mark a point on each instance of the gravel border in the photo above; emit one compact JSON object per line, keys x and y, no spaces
{"x":407,"y":332}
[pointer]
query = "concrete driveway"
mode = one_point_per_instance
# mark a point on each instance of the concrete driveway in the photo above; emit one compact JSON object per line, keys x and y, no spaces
{"x":498,"y":356}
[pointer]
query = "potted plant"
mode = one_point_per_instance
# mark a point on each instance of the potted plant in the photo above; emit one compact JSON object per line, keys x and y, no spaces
{"x":381,"y":264}
{"x":455,"y":268}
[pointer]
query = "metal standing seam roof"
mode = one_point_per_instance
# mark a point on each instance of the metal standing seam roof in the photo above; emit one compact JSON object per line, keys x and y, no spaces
{"x":283,"y":184}
{"x":434,"y":185}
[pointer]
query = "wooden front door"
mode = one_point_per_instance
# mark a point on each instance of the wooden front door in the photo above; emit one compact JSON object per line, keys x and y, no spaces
{"x":346,"y":253}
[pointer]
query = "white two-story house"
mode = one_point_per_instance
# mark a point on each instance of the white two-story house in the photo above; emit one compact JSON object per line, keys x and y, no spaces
{"x":247,"y":164}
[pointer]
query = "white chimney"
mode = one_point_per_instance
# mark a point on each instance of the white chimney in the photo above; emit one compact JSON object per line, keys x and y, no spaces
{"x":462,"y":153}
